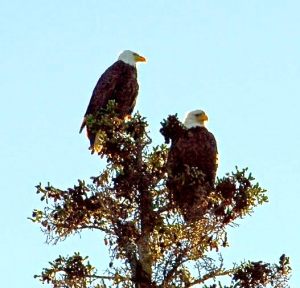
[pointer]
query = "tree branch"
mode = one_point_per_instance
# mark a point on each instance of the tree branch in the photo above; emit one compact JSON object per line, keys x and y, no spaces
{"x":107,"y":231}
{"x":213,"y":274}
{"x":178,"y":262}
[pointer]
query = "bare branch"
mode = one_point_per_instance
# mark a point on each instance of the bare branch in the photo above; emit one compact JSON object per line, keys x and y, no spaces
{"x":210,"y":275}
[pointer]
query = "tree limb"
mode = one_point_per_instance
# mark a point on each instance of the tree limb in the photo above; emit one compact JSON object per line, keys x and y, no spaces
{"x":213,"y":274}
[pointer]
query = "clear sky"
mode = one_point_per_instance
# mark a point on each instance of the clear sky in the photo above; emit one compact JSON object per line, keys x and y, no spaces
{"x":237,"y":60}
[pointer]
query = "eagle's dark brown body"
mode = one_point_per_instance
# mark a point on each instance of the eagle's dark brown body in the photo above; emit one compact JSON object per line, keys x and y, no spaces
{"x":194,"y":148}
{"x":118,"y":83}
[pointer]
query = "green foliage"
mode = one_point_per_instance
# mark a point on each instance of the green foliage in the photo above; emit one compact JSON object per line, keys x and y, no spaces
{"x":237,"y":195}
{"x":150,"y":243}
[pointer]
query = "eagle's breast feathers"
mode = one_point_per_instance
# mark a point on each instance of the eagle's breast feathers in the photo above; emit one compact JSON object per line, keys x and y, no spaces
{"x":196,"y":147}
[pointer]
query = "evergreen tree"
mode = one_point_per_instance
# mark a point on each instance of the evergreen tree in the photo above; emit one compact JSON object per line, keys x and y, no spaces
{"x":151,"y":243}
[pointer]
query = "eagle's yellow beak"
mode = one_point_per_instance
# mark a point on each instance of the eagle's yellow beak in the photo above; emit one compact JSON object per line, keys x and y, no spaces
{"x":203,"y":117}
{"x":139,"y":58}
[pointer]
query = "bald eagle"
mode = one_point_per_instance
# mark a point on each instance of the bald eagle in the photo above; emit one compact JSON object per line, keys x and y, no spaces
{"x":192,"y":163}
{"x":118,"y":83}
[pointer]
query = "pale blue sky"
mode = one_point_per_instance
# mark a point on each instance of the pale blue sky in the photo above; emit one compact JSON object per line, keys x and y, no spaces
{"x":237,"y":60}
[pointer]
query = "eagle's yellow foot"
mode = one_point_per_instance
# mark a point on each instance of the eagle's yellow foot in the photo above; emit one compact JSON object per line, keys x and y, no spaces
{"x":118,"y":121}
{"x":127,"y":117}
{"x":97,"y":148}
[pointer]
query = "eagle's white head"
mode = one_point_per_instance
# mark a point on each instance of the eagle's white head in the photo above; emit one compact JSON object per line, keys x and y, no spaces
{"x":195,"y":118}
{"x":131,"y":58}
